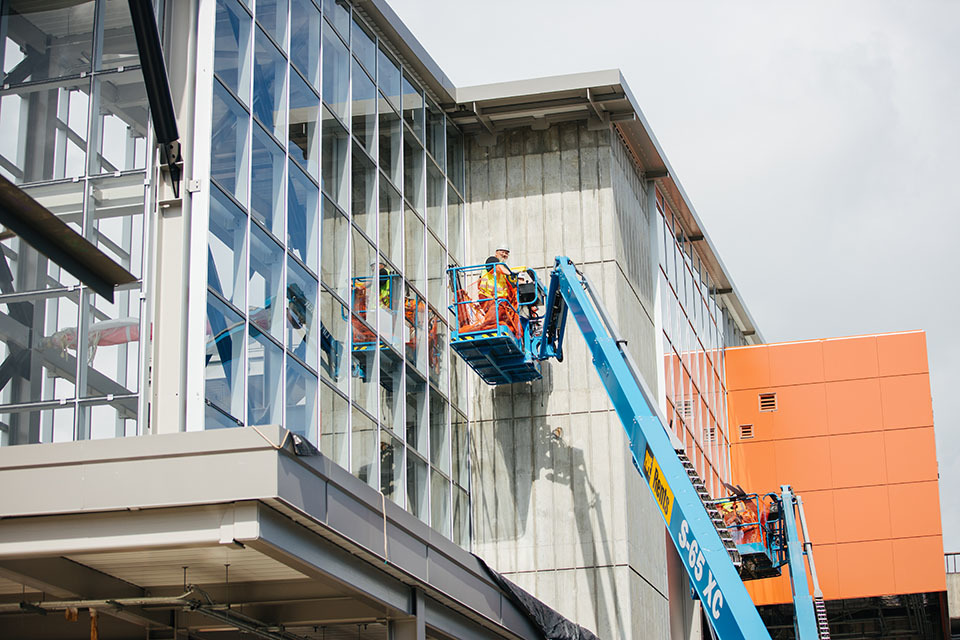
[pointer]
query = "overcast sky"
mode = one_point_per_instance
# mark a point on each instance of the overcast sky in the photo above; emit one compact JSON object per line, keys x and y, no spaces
{"x":818,"y":141}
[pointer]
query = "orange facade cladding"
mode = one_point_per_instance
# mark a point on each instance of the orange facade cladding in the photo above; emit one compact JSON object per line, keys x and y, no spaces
{"x":853,"y":434}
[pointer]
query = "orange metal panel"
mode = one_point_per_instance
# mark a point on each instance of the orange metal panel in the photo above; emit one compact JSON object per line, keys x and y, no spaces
{"x":755,"y":466}
{"x":850,"y":358}
{"x":914,"y":509}
{"x":866,"y":569}
{"x":818,"y":507}
{"x":854,"y":405}
{"x":861,"y":514}
{"x":918,"y":565}
{"x":902,"y":353}
{"x":744,"y":408}
{"x":803,"y":463}
{"x":796,"y":363}
{"x":825,"y":556}
{"x":858,"y":459}
{"x":906,"y":401}
{"x":801,"y":411}
{"x":911,"y":454}
{"x":747,"y":368}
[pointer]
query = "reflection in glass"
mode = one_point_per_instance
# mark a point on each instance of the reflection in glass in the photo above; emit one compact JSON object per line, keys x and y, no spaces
{"x":437,"y":350}
{"x":413,"y":106}
{"x":390,"y":317}
{"x":435,"y":198}
{"x":334,"y":420}
{"x":461,"y":450}
{"x":57,"y":36}
{"x":439,"y":433}
{"x":223,"y":374}
{"x":461,"y":517}
{"x":364,"y":46}
{"x":115,"y":207}
{"x":412,"y":171}
{"x":391,"y":467}
{"x":417,"y":486}
{"x":455,"y":157}
{"x":416,"y":420}
{"x":304,"y":113}
{"x":414,"y":262}
{"x":389,"y":78}
{"x":113,"y":348}
{"x":303,"y":233}
{"x":101,"y":420}
{"x":301,"y":414}
{"x":336,"y":72}
{"x":334,"y":341}
{"x":364,"y":444}
{"x":266,"y":178}
{"x":231,"y":60}
{"x":435,"y":139}
{"x":415,"y":316}
{"x":440,"y":503}
{"x":228,"y":148}
{"x":269,"y":83}
{"x":437,"y":274}
{"x":272,"y":16}
{"x":336,"y":146}
{"x":264,"y":380}
{"x":301,"y":315}
{"x":390,"y":222}
{"x":364,"y":109}
{"x":120,"y":128}
{"x":391,"y":141}
{"x":31,"y":427}
{"x":336,"y":236}
{"x":364,"y":192}
{"x":305,"y":40}
{"x":338,"y":12}
{"x":391,"y":390}
{"x":455,"y":225}
{"x":266,"y":302}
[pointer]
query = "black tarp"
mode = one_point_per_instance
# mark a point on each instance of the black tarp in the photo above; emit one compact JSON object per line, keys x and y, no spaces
{"x":553,"y":625}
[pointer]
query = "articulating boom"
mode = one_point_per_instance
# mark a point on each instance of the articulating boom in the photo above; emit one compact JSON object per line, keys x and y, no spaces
{"x":529,"y":338}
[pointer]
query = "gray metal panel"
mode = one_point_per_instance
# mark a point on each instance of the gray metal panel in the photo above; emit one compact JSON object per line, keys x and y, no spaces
{"x":449,"y":578}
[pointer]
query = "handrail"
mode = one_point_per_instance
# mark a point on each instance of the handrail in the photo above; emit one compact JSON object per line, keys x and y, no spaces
{"x":951,"y":562}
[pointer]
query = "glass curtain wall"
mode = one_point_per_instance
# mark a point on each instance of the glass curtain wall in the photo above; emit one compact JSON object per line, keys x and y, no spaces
{"x":693,"y":347}
{"x":336,"y":208}
{"x":73,"y":112}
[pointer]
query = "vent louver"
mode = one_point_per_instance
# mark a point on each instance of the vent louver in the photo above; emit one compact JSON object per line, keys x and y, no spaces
{"x":768,"y":402}
{"x":746,"y":431}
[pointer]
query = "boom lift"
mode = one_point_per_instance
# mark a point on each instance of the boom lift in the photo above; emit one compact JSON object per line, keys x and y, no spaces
{"x":504,"y":337}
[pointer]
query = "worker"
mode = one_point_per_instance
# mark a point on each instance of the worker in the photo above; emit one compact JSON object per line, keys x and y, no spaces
{"x":496,"y":295}
{"x":495,"y":281}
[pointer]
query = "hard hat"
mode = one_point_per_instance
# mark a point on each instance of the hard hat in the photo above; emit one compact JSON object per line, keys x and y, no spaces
{"x":503,"y":246}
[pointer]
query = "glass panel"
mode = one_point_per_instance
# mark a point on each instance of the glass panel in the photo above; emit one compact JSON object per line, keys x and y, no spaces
{"x":413,"y":106}
{"x":232,"y":47}
{"x":412,"y":171}
{"x":228,"y":155}
{"x":305,"y":40}
{"x":435,"y":139}
{"x":338,"y":12}
{"x":58,"y":37}
{"x":269,"y":83}
{"x":364,"y":46}
{"x":31,"y":427}
{"x":336,"y":72}
{"x":461,"y":517}
{"x":416,"y":420}
{"x":364,"y":323}
{"x":266,"y":178}
{"x":435,"y":198}
{"x":458,"y":383}
{"x":364,"y":109}
{"x":455,"y":225}
{"x":65,"y":200}
{"x":334,"y":420}
{"x":303,"y":233}
{"x":391,"y":467}
{"x":120,"y":130}
{"x":266,"y":283}
{"x":439,"y":433}
{"x":414,"y":263}
{"x":390,"y":223}
{"x":417,"y":486}
{"x":272,"y":16}
{"x":301,"y":317}
{"x":364,"y":192}
{"x":101,"y":420}
{"x":226,"y":248}
{"x":301,"y":387}
{"x":390,"y":142}
{"x":455,"y":157}
{"x":391,"y":390}
{"x":334,"y":341}
{"x":391,"y":302}
{"x":111,"y":366}
{"x":116,"y":214}
{"x":336,"y":146}
{"x":336,"y":238}
{"x":414,"y":313}
{"x":389,"y":78}
{"x":265,"y":380}
{"x":461,"y":450}
{"x":364,"y":445}
{"x":304,"y":113}
{"x":45,"y":132}
{"x":224,"y":363}
{"x":437,"y":350}
{"x":440,"y":503}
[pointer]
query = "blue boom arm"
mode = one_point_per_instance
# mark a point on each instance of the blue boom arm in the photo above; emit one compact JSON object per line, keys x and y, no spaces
{"x":713,"y":576}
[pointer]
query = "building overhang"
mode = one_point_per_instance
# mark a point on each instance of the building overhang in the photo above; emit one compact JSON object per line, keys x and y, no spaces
{"x":287,"y":539}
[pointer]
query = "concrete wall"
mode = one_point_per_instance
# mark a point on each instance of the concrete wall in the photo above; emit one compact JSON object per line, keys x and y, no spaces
{"x":557,"y":504}
{"x":953,"y":600}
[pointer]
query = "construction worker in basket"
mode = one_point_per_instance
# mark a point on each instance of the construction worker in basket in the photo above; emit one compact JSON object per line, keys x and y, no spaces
{"x":497,"y":295}
{"x":361,"y":285}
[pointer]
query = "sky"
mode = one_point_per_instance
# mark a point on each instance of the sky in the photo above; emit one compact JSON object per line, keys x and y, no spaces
{"x":817,"y":141}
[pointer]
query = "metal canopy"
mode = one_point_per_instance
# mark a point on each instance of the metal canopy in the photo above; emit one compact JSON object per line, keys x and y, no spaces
{"x":54,"y":238}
